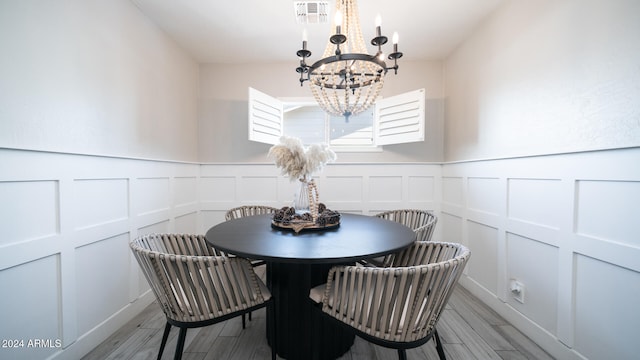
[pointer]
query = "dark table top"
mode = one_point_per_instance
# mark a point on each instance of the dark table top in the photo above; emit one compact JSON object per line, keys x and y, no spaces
{"x":358,"y":237}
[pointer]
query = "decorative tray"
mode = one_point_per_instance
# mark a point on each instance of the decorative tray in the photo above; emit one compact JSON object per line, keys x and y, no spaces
{"x":298,"y":226}
{"x":287,"y":219}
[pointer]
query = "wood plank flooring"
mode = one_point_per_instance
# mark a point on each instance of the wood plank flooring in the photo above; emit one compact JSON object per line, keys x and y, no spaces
{"x":469,"y":331}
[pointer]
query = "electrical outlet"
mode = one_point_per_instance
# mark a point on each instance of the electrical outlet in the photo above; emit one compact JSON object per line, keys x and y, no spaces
{"x":517,"y":291}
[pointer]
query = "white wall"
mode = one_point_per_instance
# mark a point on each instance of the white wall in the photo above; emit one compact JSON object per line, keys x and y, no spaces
{"x":94,"y":77}
{"x":87,"y":77}
{"x":550,"y":77}
{"x":544,"y":77}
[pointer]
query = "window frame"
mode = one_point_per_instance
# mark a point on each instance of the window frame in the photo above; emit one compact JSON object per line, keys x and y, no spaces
{"x":310,"y":101}
{"x":396,"y":120}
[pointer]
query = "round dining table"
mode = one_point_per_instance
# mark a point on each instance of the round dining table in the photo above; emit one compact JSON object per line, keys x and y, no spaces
{"x":296,"y":262}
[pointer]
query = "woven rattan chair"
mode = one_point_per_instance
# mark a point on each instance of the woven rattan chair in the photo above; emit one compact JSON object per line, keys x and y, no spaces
{"x":249,"y":210}
{"x":422,"y":222}
{"x":197,"y":286}
{"x":397,"y":306}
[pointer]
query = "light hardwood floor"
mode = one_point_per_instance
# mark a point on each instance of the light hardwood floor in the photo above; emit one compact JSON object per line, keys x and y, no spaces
{"x":468,"y":329}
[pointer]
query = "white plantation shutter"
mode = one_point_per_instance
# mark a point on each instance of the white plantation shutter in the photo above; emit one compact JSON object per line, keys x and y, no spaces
{"x":400,"y":119}
{"x":265,"y":118}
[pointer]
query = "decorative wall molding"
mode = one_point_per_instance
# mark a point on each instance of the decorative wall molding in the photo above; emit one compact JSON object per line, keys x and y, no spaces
{"x":563,"y":225}
{"x":67,"y":221}
{"x":68,"y":218}
{"x":566,"y":227}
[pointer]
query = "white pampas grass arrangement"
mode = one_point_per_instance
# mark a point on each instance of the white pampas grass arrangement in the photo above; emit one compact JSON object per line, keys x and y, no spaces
{"x":296,"y":162}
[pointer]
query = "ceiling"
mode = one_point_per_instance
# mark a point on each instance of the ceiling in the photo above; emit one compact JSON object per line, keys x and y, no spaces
{"x":249,"y":31}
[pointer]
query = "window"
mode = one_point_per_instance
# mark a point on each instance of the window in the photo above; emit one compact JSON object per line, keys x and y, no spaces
{"x":307,"y":121}
{"x":394,"y":120}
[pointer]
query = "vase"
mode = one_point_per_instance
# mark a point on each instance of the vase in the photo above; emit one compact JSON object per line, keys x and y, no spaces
{"x":301,"y":198}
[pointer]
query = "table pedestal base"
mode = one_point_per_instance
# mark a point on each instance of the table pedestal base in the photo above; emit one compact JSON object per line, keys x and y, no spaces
{"x":303,"y":332}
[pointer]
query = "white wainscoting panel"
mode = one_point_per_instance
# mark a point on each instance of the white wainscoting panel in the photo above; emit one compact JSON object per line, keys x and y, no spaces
{"x":153,"y":195}
{"x":535,"y":264}
{"x":31,"y":306}
{"x":187,"y":223}
{"x":258,"y":189}
{"x":566,"y":227}
{"x":65,"y":265}
{"x":96,"y":299}
{"x":452,"y":229}
{"x":372,"y":188}
{"x":534,"y":201}
{"x":209,"y":218}
{"x":354,"y":188}
{"x":485,"y":195}
{"x":225,"y":186}
{"x":345,"y":192}
{"x":453,"y":191}
{"x":218,"y":189}
{"x":483,"y":243}
{"x":100,"y":201}
{"x":422,"y":189}
{"x":596,"y":203}
{"x":606,"y":303}
{"x":30,"y":210}
{"x":186,"y":191}
{"x":385,"y":188}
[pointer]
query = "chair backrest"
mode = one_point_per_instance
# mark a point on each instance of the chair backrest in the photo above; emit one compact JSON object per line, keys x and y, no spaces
{"x":422,"y":222}
{"x":191,"y":280}
{"x":402,"y":303}
{"x":249,"y":210}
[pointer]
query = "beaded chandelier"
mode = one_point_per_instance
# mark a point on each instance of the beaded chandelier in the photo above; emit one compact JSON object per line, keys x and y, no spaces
{"x":347,"y":80}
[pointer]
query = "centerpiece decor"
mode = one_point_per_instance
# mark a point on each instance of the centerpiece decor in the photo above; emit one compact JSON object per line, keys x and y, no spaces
{"x":299,"y":164}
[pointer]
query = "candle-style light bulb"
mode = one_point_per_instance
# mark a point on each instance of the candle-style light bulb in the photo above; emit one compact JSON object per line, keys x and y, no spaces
{"x":378,"y":24}
{"x":395,"y":41}
{"x":338,"y":21}
{"x":304,"y":39}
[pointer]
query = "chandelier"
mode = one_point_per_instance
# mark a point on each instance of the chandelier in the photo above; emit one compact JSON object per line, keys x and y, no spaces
{"x":347,"y":80}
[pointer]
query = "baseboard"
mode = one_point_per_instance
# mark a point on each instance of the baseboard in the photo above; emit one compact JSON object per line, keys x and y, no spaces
{"x":543,"y":338}
{"x":90,"y":340}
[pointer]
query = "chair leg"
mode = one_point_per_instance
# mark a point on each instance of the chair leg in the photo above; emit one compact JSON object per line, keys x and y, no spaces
{"x":249,"y":315}
{"x":402,"y":354}
{"x":180,"y":346}
{"x":165,"y":336}
{"x":271,"y":308}
{"x":439,"y":346}
{"x":243,"y":322}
